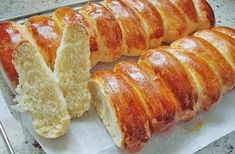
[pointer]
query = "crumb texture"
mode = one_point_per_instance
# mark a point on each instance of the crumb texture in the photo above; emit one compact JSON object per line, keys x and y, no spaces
{"x":72,"y":67}
{"x":39,"y":93}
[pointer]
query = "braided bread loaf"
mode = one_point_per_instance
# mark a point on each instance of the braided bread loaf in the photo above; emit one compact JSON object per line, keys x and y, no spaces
{"x":115,"y":28}
{"x":130,"y":27}
{"x":71,"y":41}
{"x":169,"y":84}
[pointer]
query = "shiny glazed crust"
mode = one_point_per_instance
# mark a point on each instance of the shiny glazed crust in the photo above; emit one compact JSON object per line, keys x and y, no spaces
{"x":47,"y":37}
{"x":65,"y":15}
{"x":206,"y":17}
{"x":225,"y":30}
{"x":173,"y":83}
{"x":133,"y":26}
{"x":132,"y":118}
{"x":207,"y":52}
{"x":107,"y":29}
{"x":151,"y":20}
{"x":161,"y":107}
{"x":224,"y":44}
{"x":176,"y":78}
{"x":203,"y":76}
{"x":175,"y":25}
{"x":187,"y":8}
{"x":10,"y":37}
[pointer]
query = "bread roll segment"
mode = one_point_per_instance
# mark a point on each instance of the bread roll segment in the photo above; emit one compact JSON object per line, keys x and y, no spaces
{"x":68,"y":48}
{"x":47,"y":36}
{"x":205,"y":79}
{"x":65,"y":15}
{"x":162,"y":109}
{"x":176,"y":78}
{"x":205,"y":14}
{"x":224,"y":44}
{"x":120,"y":110}
{"x":175,"y":25}
{"x":204,"y":50}
{"x":72,"y":68}
{"x":131,"y":25}
{"x":188,"y":10}
{"x":225,"y":30}
{"x":191,"y":74}
{"x":37,"y":90}
{"x":107,"y":29}
{"x":151,"y":20}
{"x":10,"y":37}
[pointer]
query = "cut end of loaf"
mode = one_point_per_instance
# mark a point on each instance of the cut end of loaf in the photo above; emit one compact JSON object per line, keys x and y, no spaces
{"x":72,"y":67}
{"x":106,"y":112}
{"x":39,"y":93}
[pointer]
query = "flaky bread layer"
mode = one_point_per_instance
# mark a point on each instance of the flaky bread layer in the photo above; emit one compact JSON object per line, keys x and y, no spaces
{"x":39,"y":93}
{"x":72,"y":67}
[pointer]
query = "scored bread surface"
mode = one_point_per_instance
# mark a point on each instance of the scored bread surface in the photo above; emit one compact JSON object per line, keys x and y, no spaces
{"x":116,"y":28}
{"x":170,"y":83}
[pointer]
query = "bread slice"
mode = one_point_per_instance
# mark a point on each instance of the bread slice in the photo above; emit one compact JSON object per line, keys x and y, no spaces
{"x":72,"y":67}
{"x":38,"y":91}
{"x":106,"y":111}
{"x":120,"y":108}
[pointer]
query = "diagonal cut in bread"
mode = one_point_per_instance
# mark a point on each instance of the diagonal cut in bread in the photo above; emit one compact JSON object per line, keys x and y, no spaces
{"x":67,"y":52}
{"x":72,"y":67}
{"x":38,"y":91}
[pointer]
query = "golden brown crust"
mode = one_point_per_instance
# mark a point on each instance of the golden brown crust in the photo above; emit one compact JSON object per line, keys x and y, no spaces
{"x":189,"y":12}
{"x":206,"y":17}
{"x":133,"y":120}
{"x":212,"y":56}
{"x":10,"y":37}
{"x":174,"y":22}
{"x":107,"y":29}
{"x":225,"y":30}
{"x":210,"y":13}
{"x":66,"y":15}
{"x":188,"y":8}
{"x":161,"y":107}
{"x":46,"y":35}
{"x":132,"y":28}
{"x":174,"y":77}
{"x":151,"y":19}
{"x":203,"y":73}
{"x":224,"y":44}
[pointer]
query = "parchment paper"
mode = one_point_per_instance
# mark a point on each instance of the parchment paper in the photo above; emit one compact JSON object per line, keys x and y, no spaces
{"x":87,"y":134}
